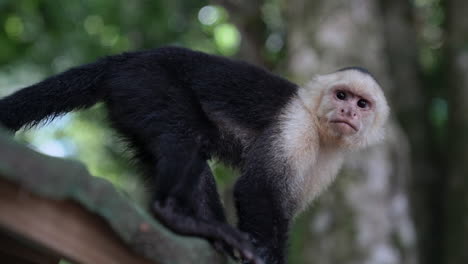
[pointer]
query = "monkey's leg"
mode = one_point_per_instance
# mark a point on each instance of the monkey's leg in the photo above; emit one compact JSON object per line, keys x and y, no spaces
{"x":186,"y":199}
{"x":262,"y":216}
{"x":262,"y":204}
{"x":167,"y":129}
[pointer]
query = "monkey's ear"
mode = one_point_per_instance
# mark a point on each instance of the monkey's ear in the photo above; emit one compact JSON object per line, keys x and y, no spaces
{"x":377,"y":130}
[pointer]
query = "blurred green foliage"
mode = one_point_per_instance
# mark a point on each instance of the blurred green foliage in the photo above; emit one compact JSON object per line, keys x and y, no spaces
{"x":71,"y":32}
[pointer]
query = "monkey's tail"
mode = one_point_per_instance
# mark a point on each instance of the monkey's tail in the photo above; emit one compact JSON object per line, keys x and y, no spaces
{"x":77,"y":88}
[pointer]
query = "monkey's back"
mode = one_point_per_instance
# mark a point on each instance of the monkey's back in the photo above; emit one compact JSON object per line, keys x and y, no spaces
{"x":223,"y":101}
{"x":244,"y":92}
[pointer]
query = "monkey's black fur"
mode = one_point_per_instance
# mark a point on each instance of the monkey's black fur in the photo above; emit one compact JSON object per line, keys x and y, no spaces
{"x":178,"y":108}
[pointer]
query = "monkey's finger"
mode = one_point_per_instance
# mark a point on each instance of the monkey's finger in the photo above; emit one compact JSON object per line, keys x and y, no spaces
{"x":226,"y":250}
{"x":250,"y":258}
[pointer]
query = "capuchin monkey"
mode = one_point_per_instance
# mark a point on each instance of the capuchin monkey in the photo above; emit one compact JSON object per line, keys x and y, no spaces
{"x":179,"y":108}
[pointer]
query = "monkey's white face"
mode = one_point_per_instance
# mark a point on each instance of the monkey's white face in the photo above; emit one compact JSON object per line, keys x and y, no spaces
{"x":350,"y":108}
{"x":334,"y":113}
{"x":347,"y":111}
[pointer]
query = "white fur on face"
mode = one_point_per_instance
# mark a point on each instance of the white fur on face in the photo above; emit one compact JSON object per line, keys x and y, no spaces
{"x":306,"y":141}
{"x":317,"y":98}
{"x":313,"y":167}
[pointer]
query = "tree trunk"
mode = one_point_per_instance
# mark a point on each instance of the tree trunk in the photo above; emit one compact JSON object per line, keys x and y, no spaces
{"x":456,"y":200}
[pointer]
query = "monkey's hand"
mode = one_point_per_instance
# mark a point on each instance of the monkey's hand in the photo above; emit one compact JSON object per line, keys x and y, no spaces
{"x":223,"y":236}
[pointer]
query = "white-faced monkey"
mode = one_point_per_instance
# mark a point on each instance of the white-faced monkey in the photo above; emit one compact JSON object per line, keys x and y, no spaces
{"x":179,"y":108}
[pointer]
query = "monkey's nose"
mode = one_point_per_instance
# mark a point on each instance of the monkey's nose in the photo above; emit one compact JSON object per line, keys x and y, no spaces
{"x":349,"y":112}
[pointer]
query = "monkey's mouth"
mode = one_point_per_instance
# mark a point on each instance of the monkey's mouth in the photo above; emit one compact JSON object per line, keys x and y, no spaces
{"x":346,"y":123}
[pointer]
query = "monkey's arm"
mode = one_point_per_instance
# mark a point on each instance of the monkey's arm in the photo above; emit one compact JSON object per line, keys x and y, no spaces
{"x":263,"y":201}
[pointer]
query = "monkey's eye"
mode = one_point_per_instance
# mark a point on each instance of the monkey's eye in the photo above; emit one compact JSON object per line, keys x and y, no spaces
{"x":341,"y":95}
{"x":362,"y":103}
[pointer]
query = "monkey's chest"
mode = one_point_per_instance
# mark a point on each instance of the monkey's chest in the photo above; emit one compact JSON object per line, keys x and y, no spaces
{"x":313,"y":176}
{"x":232,"y":139}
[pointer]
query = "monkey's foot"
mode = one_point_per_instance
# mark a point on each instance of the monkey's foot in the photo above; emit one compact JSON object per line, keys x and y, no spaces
{"x":224,"y":236}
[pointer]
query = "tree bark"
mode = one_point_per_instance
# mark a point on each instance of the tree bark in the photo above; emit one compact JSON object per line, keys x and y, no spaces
{"x":456,"y":200}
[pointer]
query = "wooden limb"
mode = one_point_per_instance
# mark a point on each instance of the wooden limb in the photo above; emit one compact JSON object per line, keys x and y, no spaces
{"x":64,"y":227}
{"x":21,"y":251}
